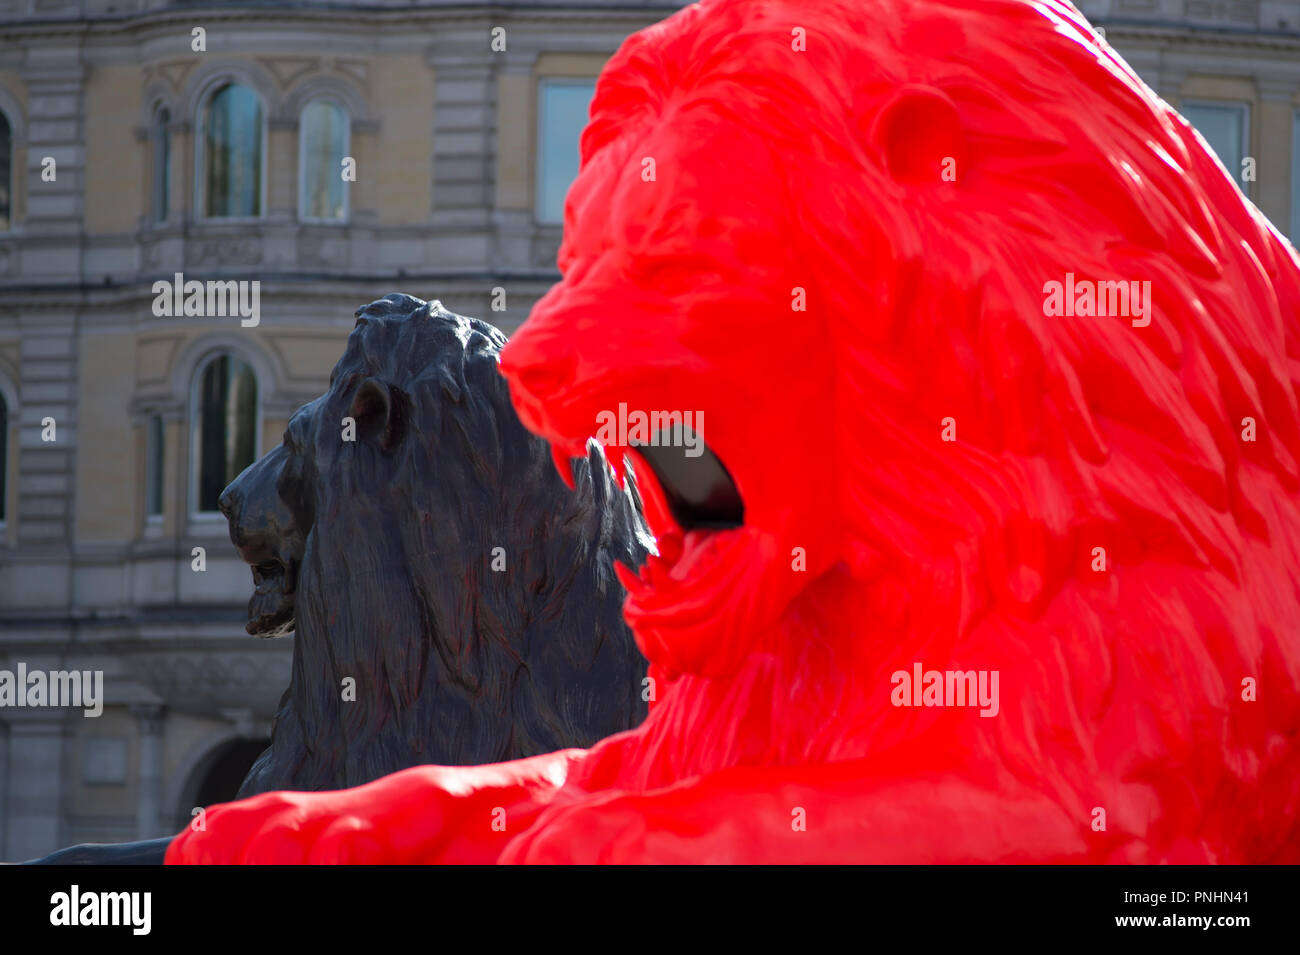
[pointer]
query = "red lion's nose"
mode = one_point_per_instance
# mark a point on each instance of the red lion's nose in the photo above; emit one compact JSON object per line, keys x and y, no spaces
{"x":540,"y":373}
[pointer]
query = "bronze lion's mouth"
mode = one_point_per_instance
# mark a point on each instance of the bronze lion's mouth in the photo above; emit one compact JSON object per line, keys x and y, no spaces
{"x":271,"y":608}
{"x":269,"y":538}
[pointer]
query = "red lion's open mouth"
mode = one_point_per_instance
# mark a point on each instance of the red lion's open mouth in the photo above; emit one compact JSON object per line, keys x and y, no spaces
{"x":711,"y":573}
{"x":692,"y":505}
{"x":697,"y":514}
{"x":698,"y":489}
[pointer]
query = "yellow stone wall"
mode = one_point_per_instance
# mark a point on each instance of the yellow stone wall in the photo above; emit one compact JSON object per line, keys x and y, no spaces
{"x":107,"y":799}
{"x":400,"y":162}
{"x":114,"y":197}
{"x":516,"y":180}
{"x":105,"y":475}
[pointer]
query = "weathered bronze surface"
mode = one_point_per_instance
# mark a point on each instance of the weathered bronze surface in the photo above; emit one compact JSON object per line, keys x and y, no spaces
{"x":453,"y":602}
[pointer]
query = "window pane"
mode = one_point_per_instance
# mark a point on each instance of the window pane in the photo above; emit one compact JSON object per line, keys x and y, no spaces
{"x":162,"y":162}
{"x":562,"y":115}
{"x":4,"y":452}
{"x":154,"y":466}
{"x":6,"y":171}
{"x":1295,"y":179}
{"x":1224,"y":129}
{"x":232,"y":153}
{"x":324,"y":131}
{"x":227,"y":426}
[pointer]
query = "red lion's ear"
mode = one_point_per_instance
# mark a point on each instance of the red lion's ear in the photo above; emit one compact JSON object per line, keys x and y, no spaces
{"x":918,"y":132}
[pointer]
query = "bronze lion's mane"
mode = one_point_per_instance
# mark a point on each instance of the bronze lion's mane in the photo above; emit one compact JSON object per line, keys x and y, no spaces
{"x":454,"y":663}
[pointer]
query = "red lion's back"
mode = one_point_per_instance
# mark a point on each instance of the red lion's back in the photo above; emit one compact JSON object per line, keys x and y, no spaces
{"x":1115,"y":528}
{"x":1003,"y":367}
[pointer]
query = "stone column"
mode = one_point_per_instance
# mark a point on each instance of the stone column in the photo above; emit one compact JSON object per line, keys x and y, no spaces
{"x":4,"y":790}
{"x":55,"y":77}
{"x":516,"y":169}
{"x":463,"y":144}
{"x":51,"y":256}
{"x":1273,"y":140}
{"x":1168,"y":82}
{"x":282,"y":170}
{"x":149,"y":790}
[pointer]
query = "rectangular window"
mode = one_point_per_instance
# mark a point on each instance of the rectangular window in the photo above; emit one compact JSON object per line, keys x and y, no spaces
{"x":1295,"y":178}
{"x":1226,"y":127}
{"x":4,"y":453}
{"x":153,"y":467}
{"x":6,"y":172}
{"x":162,"y":165}
{"x":562,"y":111}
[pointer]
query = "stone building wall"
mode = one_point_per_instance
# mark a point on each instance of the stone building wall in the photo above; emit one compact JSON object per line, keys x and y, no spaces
{"x":444,"y":130}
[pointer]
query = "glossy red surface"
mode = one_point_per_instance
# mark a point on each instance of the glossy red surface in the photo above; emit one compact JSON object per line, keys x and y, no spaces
{"x":921,"y":170}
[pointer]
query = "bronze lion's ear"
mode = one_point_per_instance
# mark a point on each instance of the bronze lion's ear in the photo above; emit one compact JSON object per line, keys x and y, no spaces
{"x":919,"y":134}
{"x":377,"y":410}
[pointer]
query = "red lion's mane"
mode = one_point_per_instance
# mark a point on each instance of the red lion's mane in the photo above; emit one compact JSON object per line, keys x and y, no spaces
{"x":828,"y":226}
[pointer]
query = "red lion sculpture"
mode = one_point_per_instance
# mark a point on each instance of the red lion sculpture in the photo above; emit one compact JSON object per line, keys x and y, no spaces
{"x":1003,"y":369}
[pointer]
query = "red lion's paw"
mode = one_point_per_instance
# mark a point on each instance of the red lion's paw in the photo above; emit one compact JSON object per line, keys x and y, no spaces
{"x":281,"y":829}
{"x":610,"y":832}
{"x":419,"y":815}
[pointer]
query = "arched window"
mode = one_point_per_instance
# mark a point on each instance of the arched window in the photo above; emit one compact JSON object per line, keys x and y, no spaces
{"x":230,"y":176}
{"x":225,"y":426}
{"x":4,"y":453}
{"x":162,"y":163}
{"x":323,"y":136}
{"x":6,"y":174}
{"x":154,"y":467}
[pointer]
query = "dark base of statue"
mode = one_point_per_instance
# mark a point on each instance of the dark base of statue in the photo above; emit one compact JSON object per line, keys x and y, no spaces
{"x":147,"y":852}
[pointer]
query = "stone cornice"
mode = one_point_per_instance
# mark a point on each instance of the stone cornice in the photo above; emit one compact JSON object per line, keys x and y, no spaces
{"x":1216,"y":38}
{"x":402,"y":19}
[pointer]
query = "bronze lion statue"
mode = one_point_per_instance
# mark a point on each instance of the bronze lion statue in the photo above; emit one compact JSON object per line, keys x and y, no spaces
{"x":453,"y":601}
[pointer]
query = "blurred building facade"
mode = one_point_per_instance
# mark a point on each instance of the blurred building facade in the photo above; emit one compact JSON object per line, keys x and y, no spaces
{"x":133,"y":148}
